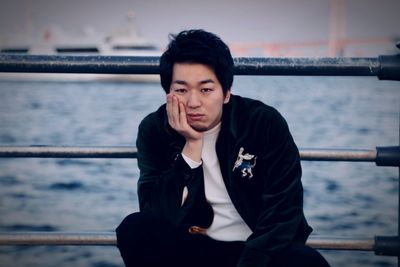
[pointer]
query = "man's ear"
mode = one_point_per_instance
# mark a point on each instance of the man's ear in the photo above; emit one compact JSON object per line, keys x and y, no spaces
{"x":227,"y":96}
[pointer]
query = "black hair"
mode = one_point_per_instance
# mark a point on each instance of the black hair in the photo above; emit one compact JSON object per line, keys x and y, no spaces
{"x":197,"y":46}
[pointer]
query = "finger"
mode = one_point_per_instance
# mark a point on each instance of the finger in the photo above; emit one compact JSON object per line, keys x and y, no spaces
{"x":169,"y":109}
{"x":182,"y":115}
{"x":175,"y":111}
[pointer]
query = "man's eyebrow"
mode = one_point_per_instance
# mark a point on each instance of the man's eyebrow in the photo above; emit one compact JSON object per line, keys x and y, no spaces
{"x":206,"y":81}
{"x":201,"y":82}
{"x":180,"y":82}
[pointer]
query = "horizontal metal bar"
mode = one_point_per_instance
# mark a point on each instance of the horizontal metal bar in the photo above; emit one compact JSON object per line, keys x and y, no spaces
{"x":57,"y":238}
{"x":131,"y":152}
{"x":365,"y":155}
{"x":307,"y":66}
{"x":79,"y":64}
{"x":109,"y":238}
{"x":67,"y":152}
{"x":150,"y":65}
{"x":341,"y":243}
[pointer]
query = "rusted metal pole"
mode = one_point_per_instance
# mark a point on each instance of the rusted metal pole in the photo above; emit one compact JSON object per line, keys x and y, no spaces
{"x":109,"y":238}
{"x":57,"y":238}
{"x":150,"y":65}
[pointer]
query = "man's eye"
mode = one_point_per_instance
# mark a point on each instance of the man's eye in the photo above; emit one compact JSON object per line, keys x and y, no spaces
{"x":180,"y":91}
{"x":206,"y":90}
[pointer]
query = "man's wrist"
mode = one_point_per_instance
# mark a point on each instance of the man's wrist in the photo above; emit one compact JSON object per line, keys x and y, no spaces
{"x":192,"y":149}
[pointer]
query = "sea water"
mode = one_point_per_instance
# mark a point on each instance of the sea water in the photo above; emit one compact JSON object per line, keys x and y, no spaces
{"x":46,"y":194}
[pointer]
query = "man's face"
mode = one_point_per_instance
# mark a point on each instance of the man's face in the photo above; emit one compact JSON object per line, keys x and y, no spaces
{"x":197,"y":87}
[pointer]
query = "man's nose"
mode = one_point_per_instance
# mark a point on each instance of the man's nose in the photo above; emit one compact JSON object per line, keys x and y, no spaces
{"x":193,"y":100}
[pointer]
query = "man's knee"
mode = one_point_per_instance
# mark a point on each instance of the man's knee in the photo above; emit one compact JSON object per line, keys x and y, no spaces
{"x":144,"y":227}
{"x":133,"y":227}
{"x":145,"y":240}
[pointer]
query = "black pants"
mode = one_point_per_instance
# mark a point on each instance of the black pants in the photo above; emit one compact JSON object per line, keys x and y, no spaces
{"x":146,"y":241}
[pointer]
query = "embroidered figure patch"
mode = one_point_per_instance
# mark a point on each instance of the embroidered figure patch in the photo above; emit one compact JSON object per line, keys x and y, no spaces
{"x":245,"y":163}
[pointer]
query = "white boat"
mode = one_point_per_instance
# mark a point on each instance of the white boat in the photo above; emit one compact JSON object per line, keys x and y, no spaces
{"x":124,"y":41}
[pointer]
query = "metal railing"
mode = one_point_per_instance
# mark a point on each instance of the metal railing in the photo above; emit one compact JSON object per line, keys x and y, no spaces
{"x":382,"y":156}
{"x":109,"y":238}
{"x":383,"y":67}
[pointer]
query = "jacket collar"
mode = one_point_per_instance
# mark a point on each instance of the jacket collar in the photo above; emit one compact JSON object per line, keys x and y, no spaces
{"x":229,"y":122}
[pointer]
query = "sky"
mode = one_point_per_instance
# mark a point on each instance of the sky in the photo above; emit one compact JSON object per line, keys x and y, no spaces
{"x":235,"y":21}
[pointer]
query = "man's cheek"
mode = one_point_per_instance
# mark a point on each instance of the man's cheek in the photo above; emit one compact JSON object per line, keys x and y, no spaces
{"x":181,"y":99}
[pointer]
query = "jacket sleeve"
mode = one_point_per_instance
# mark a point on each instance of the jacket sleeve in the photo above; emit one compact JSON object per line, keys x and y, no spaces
{"x":162,"y":180}
{"x":281,"y":208}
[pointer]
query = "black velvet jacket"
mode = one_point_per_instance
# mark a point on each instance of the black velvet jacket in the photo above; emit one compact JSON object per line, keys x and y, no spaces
{"x":266,"y":190}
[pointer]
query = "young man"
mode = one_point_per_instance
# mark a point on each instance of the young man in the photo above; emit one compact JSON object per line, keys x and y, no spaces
{"x":219,"y":174}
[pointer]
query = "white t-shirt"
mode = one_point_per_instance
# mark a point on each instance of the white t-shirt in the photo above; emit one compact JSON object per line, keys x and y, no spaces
{"x":227,"y":225}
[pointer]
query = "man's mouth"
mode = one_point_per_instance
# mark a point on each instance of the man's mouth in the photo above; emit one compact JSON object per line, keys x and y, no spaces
{"x":195,"y":117}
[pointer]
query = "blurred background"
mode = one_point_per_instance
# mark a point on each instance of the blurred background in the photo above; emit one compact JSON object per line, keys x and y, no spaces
{"x":341,"y":198}
{"x":254,"y":27}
